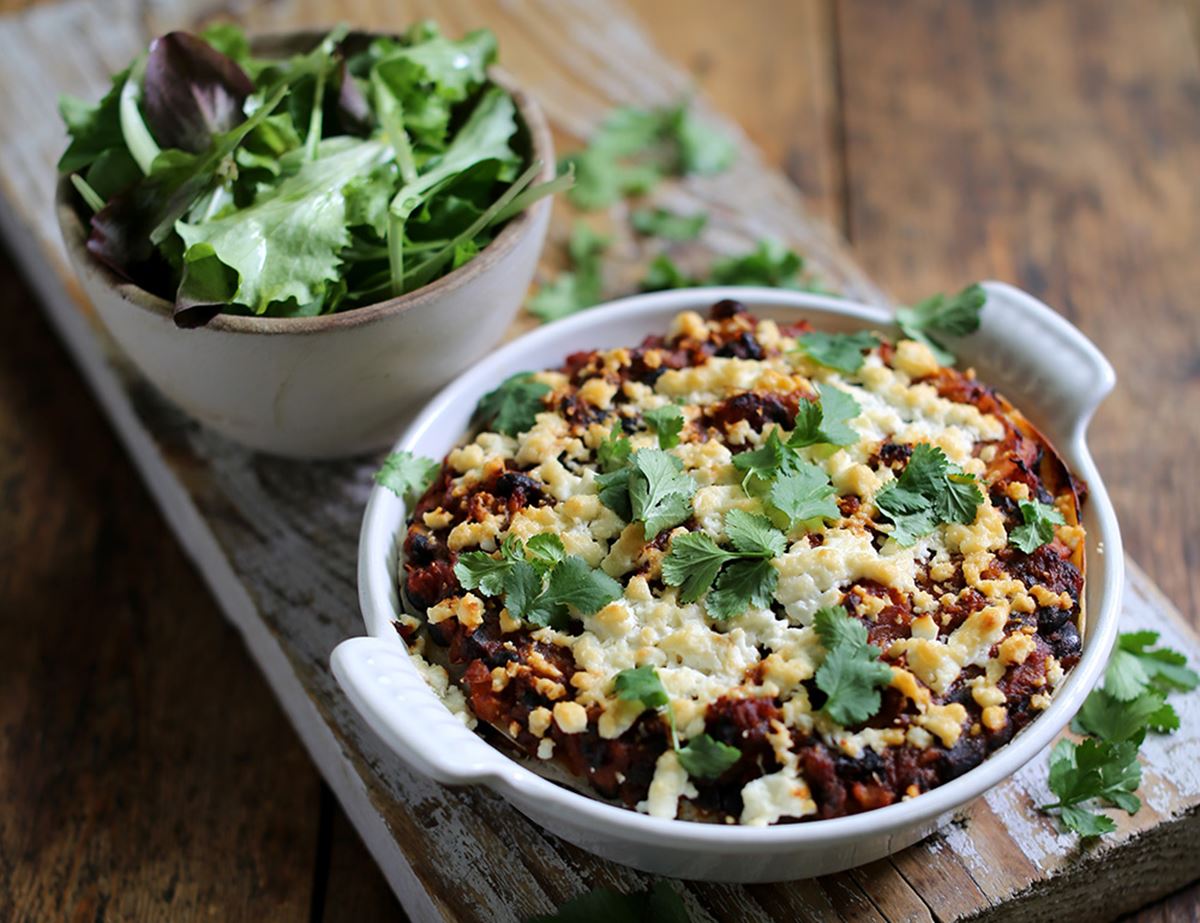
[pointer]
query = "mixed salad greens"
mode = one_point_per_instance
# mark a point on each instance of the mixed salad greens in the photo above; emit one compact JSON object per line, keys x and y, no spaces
{"x":362,"y":169}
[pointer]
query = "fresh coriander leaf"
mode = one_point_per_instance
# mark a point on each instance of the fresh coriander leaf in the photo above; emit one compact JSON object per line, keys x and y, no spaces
{"x":753,"y":534}
{"x":1125,"y":678}
{"x":703,"y":150}
{"x":1108,"y":770}
{"x":958,"y":499}
{"x":770,"y":460}
{"x":513,"y":407}
{"x":478,"y":570}
{"x":851,"y":671}
{"x":910,"y":513}
{"x":742,"y":584}
{"x":770,"y":263}
{"x":663,"y":274}
{"x":574,"y":583}
{"x":1086,"y":823}
{"x":614,"y":451}
{"x":940,"y":316}
{"x":824,"y":420}
{"x":840,"y":351}
{"x":667,"y":421}
{"x":707,"y":758}
{"x":523,"y":593}
{"x":581,"y":286}
{"x":406,"y":475}
{"x":692,"y":564}
{"x":1104,"y":715}
{"x":804,"y":495}
{"x":1166,"y":668}
{"x":641,"y":684}
{"x":613,"y":489}
{"x":1038,"y":529}
{"x":545,"y":550}
{"x":929,"y":491}
{"x":658,"y":222}
{"x":660,"y":493}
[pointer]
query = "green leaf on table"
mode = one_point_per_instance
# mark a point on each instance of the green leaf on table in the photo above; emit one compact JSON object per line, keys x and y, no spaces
{"x":406,"y":475}
{"x":770,"y":263}
{"x":663,"y":274}
{"x":577,"y":288}
{"x":1094,"y":769}
{"x":659,"y":222}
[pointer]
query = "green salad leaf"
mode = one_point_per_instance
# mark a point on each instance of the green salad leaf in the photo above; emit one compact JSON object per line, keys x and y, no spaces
{"x":299,"y":186}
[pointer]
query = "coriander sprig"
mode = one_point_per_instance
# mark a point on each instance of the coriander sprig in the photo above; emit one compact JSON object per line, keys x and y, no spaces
{"x":851,"y":673}
{"x":931,"y":490}
{"x":652,"y":489}
{"x":1131,"y":702}
{"x":539,"y":581}
{"x":703,"y":756}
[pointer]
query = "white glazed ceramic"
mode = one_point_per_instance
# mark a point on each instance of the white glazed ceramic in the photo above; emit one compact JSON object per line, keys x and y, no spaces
{"x":1037,"y":359}
{"x":330,"y":386}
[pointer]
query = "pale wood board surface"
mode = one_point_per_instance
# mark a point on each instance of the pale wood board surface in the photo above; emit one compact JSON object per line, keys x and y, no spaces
{"x":277,"y":540}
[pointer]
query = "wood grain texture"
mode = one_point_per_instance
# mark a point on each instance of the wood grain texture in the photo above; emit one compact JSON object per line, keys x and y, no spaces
{"x":465,"y":854}
{"x":145,"y":772}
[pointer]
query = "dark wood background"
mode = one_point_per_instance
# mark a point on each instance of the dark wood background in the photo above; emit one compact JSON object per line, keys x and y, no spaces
{"x":145,"y":771}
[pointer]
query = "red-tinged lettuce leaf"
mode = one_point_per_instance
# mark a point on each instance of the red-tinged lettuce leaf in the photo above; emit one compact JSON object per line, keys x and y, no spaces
{"x":353,"y":111}
{"x":191,"y":92}
{"x":127,"y":231}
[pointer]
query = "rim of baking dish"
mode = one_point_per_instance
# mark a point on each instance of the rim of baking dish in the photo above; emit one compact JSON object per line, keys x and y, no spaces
{"x":1075,"y":356}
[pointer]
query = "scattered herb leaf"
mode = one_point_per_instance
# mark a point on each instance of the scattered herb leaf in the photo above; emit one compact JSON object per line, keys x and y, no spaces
{"x":931,"y":490}
{"x":851,"y":673}
{"x":1038,"y":529}
{"x":825,"y":419}
{"x":513,"y":407}
{"x":840,"y":351}
{"x":707,"y":758}
{"x":659,"y":222}
{"x":667,"y":421}
{"x":942,"y":316}
{"x":406,"y":475}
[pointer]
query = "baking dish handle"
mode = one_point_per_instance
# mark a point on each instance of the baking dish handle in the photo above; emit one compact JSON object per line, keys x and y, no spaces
{"x":1048,"y":364}
{"x":384,"y":687}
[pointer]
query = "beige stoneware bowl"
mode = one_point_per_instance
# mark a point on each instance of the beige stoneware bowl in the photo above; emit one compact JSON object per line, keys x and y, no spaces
{"x":335,"y":385}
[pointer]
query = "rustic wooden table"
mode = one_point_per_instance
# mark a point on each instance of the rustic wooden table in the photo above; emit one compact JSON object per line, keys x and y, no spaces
{"x":1055,"y":145}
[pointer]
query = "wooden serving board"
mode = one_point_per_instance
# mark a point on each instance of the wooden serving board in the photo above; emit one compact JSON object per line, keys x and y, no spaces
{"x":277,"y":540}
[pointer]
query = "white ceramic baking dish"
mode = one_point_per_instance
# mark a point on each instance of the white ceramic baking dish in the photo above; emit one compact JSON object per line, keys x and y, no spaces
{"x":1046,"y":367}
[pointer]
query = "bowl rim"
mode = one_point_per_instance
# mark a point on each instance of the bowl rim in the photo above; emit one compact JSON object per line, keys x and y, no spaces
{"x":74,"y":232}
{"x":521,"y":784}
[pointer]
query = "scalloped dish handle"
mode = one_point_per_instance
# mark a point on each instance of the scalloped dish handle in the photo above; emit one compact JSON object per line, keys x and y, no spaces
{"x":1060,"y":371}
{"x":385,"y":688}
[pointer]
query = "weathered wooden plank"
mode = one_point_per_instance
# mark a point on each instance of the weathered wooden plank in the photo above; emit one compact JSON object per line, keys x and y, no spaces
{"x":137,"y":740}
{"x":276,"y":541}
